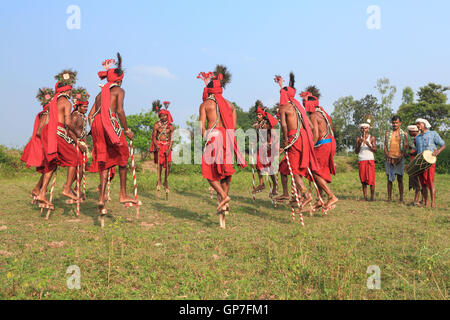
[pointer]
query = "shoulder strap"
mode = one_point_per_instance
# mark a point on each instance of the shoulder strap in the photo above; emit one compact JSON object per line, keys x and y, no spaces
{"x":299,"y":122}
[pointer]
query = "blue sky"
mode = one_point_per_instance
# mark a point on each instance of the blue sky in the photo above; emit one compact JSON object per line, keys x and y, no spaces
{"x":165,"y":44}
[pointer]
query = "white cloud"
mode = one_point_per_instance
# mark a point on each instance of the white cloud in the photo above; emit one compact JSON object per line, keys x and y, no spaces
{"x":152,"y":71}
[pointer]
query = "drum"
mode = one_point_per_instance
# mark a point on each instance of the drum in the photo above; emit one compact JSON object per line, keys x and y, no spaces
{"x":421,"y":163}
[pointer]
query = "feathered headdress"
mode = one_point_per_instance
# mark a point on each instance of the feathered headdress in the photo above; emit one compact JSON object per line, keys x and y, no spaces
{"x":314,"y":91}
{"x":292,"y":80}
{"x":112,"y":74}
{"x":166,"y":104}
{"x":45,"y":95}
{"x":156,"y":106}
{"x":65,"y":80}
{"x":222,"y":74}
{"x":205,"y":77}
{"x":368,"y":119}
{"x":80,"y":97}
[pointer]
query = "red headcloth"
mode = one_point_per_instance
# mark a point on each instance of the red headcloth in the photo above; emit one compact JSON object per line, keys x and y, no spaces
{"x":289,"y":95}
{"x":169,"y":116}
{"x":226,"y":116}
{"x":310,"y":106}
{"x":111,"y":77}
{"x":53,"y":121}
{"x":272,"y":121}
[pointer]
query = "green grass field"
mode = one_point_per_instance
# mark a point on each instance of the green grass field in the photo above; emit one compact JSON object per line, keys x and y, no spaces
{"x":177,"y":251}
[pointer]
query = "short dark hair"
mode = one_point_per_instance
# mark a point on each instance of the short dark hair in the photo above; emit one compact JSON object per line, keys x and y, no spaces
{"x":394,"y":118}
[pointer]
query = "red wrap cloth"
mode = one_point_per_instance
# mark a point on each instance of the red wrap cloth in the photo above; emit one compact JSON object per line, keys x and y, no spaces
{"x":325,"y":153}
{"x":214,"y":162}
{"x":266,"y":162}
{"x":367,"y":172}
{"x":427,"y":177}
{"x":51,"y":137}
{"x":33,"y":153}
{"x":160,"y":157}
{"x":310,"y":105}
{"x":66,"y":155}
{"x":106,"y":154}
{"x":299,"y":155}
{"x":306,"y":154}
{"x":227,"y":118}
{"x":325,"y":159}
{"x":111,"y":77}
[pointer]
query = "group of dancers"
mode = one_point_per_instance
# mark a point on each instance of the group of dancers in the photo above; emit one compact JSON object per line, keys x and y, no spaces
{"x":59,"y":138}
{"x":308,"y":145}
{"x":307,"y":142}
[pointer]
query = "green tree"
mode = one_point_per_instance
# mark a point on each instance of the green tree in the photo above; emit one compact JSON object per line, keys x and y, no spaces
{"x":142,"y":126}
{"x":387,"y":93}
{"x":408,"y":96}
{"x":431,"y":105}
{"x":432,"y":94}
{"x":342,"y":118}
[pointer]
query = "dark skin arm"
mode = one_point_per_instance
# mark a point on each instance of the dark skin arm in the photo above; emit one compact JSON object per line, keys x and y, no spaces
{"x":42,"y":121}
{"x":385,"y":146}
{"x":121,"y":114}
{"x":93,"y":109}
{"x":358,"y":144}
{"x":202,"y":118}
{"x":77,"y":122}
{"x":284,"y":127}
{"x":155,"y":130}
{"x":170,"y":140}
{"x":373,"y":148}
{"x":315,"y":128}
{"x":70,"y":125}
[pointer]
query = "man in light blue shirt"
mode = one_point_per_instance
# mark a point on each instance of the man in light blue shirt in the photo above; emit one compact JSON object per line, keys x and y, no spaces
{"x":428,"y":140}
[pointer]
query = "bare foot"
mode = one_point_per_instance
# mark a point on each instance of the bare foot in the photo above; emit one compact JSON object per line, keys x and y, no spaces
{"x":260,"y":188}
{"x":282,"y":197}
{"x":69,"y":195}
{"x":331,"y":202}
{"x":306,"y":199}
{"x":223,"y":203}
{"x":43,"y":200}
{"x":127,"y":199}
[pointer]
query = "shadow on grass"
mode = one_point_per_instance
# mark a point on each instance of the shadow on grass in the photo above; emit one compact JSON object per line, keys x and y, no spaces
{"x":182,"y":213}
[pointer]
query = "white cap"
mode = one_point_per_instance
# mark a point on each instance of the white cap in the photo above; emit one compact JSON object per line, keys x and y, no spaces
{"x":424,"y":121}
{"x":413,"y":127}
{"x":364,"y":125}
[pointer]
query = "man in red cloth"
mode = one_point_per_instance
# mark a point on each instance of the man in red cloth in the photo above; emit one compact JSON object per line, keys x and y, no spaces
{"x":79,"y":122}
{"x":297,"y":138}
{"x":162,"y":143}
{"x":219,"y":115}
{"x":33,"y":153}
{"x":324,"y":145}
{"x":264,"y":157}
{"x":108,"y":130}
{"x":58,"y":138}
